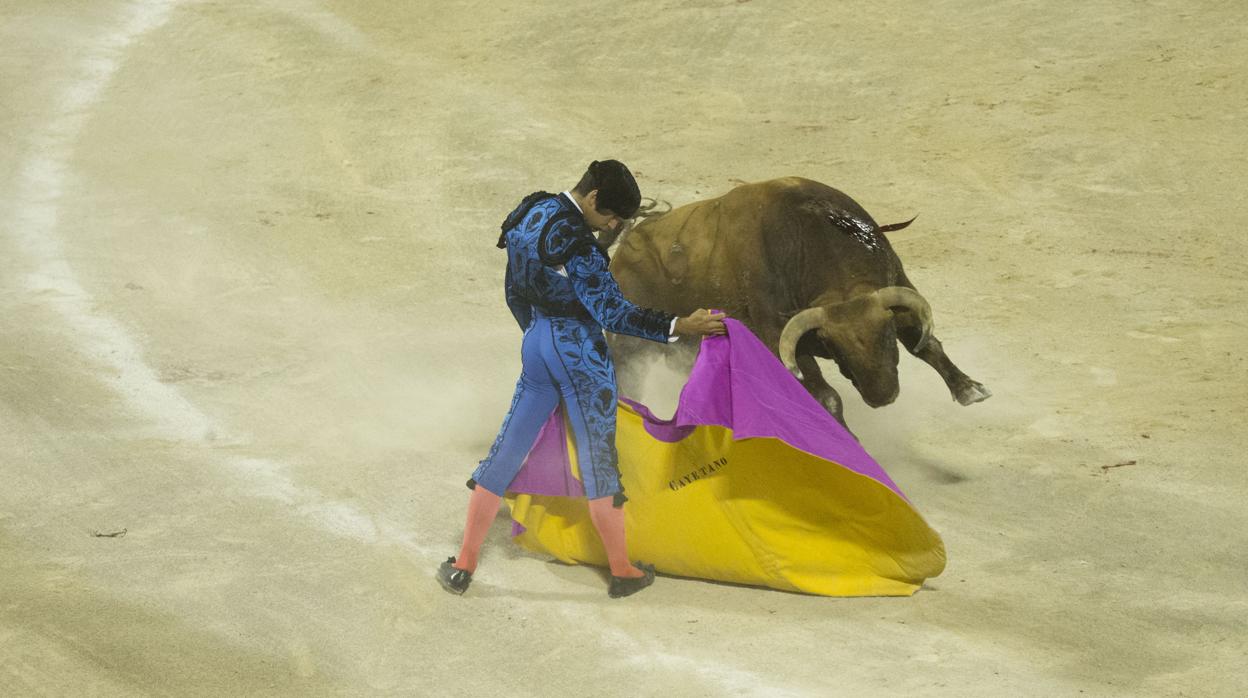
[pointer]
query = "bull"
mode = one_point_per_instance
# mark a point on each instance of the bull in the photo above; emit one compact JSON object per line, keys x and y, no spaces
{"x":805,"y":268}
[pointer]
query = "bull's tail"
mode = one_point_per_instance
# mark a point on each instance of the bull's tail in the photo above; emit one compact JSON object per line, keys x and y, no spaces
{"x":894,"y":226}
{"x":652,"y":208}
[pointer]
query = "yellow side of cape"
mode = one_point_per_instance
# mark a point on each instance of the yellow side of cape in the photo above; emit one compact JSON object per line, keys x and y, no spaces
{"x":756,"y":511}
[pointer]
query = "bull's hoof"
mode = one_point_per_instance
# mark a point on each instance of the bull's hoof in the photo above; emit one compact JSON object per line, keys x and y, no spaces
{"x":840,"y":419}
{"x":971,"y":392}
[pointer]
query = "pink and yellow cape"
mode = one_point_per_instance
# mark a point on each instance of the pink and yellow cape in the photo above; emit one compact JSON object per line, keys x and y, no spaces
{"x":750,"y":482}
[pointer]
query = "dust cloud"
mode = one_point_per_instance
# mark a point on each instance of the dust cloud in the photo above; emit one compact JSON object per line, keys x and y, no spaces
{"x":277,"y":224}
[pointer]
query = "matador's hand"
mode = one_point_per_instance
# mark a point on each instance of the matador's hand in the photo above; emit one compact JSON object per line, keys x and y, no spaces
{"x":701,"y":322}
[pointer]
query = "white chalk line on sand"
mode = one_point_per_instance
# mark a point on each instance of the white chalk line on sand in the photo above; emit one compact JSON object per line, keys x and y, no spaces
{"x":42,"y":180}
{"x":729,"y":680}
{"x":41,"y":183}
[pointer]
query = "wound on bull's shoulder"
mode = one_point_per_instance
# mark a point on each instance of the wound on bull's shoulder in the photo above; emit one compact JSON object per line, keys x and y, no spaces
{"x":860,"y":230}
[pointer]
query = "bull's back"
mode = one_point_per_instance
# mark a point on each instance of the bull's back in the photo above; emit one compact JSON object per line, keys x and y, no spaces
{"x":702,"y":253}
{"x":680,"y":261}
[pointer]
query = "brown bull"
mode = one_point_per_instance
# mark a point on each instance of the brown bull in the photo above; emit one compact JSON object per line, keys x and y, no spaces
{"x":805,"y":268}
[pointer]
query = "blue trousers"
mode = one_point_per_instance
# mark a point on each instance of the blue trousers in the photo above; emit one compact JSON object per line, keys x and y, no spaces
{"x":563,"y":359}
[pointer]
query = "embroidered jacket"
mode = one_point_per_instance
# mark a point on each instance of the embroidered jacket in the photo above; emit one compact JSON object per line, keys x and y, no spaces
{"x":554,"y":264}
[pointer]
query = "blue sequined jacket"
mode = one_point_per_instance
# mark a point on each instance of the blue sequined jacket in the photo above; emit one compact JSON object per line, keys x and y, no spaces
{"x":555,"y":264}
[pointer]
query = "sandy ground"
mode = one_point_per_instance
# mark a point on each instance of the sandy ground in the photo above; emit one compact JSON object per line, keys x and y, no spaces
{"x":251,"y":313}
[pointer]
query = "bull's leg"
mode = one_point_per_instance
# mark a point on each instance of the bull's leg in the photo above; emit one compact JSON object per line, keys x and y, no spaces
{"x":965,"y":390}
{"x":813,"y":382}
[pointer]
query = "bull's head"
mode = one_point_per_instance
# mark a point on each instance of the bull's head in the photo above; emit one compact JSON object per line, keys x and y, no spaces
{"x":861,"y":337}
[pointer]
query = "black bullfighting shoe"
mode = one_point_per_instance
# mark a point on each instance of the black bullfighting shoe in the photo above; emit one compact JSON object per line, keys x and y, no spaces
{"x":453,"y":580}
{"x":627,"y":586}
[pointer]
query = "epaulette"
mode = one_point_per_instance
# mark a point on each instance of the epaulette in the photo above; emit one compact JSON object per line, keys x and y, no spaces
{"x":513,"y":219}
{"x":576,"y":239}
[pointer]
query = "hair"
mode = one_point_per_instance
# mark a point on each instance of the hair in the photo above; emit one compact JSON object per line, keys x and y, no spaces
{"x":617,"y":190}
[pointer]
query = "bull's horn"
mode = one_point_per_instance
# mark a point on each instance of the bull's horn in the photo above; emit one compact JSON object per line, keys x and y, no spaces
{"x":908,"y":298}
{"x":797,"y":326}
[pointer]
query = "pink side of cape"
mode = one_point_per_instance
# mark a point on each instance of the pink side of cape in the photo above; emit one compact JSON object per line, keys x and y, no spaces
{"x":736,"y":383}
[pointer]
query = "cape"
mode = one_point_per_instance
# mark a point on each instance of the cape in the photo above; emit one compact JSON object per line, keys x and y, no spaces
{"x":750,"y":482}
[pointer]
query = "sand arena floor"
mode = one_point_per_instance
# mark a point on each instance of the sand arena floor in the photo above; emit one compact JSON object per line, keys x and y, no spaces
{"x":250,"y":313}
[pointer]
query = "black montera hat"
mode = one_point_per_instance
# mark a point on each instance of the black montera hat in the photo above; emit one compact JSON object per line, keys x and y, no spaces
{"x":617,"y":190}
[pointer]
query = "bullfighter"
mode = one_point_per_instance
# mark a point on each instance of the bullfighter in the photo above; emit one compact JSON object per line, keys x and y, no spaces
{"x":563,"y":296}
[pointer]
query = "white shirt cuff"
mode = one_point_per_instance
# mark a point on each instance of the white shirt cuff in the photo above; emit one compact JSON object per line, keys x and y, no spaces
{"x":671,"y":332}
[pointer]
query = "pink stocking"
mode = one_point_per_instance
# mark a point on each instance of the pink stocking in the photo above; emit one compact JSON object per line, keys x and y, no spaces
{"x":610,"y":524}
{"x":482,"y":508}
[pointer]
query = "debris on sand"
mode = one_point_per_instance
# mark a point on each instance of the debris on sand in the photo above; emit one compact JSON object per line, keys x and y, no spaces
{"x":1105,"y":468}
{"x":114,"y":534}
